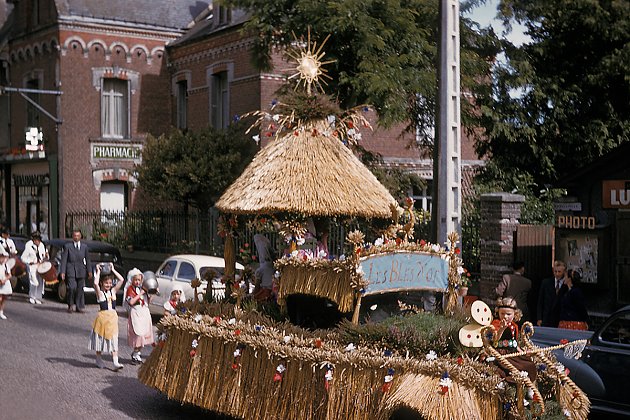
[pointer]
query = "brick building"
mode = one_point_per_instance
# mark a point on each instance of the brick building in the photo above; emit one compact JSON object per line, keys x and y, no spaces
{"x":125,"y":70}
{"x":91,"y":77}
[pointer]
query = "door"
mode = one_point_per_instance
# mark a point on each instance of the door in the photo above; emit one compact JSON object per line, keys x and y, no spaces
{"x":113,"y":196}
{"x":164,"y":276}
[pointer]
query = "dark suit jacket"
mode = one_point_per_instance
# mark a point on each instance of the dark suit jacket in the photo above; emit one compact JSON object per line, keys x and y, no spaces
{"x":548,"y":304}
{"x":75,"y":263}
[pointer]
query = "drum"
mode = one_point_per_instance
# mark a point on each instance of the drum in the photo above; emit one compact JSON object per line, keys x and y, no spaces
{"x":18,"y":268}
{"x":48,"y":272}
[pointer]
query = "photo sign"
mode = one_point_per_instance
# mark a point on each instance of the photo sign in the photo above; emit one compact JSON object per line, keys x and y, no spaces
{"x":404,"y":271}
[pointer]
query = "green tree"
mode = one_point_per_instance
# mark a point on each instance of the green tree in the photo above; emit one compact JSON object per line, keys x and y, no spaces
{"x":385,"y":51}
{"x":195,"y":168}
{"x":561,"y":99}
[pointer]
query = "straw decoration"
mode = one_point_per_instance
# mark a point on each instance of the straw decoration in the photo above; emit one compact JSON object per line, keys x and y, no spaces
{"x":307,"y":173}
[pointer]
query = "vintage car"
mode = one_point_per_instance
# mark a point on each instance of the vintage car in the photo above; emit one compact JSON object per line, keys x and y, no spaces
{"x":604,"y":367}
{"x":181,"y":270}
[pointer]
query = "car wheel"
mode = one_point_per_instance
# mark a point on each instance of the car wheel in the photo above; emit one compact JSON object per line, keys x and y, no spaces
{"x":62,"y":291}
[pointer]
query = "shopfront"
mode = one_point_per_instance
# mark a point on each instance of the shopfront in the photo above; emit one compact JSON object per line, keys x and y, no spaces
{"x":593,"y":227}
{"x":31,"y":198}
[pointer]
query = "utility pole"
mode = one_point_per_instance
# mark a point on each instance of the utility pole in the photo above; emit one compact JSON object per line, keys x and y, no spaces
{"x":447,"y":179}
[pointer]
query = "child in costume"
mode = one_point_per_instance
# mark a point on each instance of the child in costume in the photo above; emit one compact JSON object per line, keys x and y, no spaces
{"x":177,"y":295}
{"x":104,"y":335}
{"x":5,"y":281}
{"x":139,"y":324}
{"x":507,"y":332}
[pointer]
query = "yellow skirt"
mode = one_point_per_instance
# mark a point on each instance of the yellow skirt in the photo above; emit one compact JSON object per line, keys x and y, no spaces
{"x":106,"y":324}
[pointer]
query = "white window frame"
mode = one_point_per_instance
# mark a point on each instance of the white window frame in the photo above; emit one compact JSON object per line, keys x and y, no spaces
{"x":108,"y":108}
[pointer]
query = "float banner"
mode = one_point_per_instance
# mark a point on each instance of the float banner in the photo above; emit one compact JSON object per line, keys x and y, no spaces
{"x":401,"y":271}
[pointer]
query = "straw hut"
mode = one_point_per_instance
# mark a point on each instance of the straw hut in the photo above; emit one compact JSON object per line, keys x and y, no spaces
{"x":309,"y":172}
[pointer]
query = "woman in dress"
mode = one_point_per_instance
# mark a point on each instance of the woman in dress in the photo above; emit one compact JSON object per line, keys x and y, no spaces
{"x":573,"y":313}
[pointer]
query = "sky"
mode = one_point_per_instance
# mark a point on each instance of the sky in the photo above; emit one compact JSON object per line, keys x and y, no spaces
{"x":485,"y":15}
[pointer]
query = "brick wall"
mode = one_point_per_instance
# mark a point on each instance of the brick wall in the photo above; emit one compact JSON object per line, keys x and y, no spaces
{"x":500,"y":213}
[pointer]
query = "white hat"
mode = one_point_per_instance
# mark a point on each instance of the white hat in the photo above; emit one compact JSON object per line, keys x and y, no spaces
{"x":133,"y":273}
{"x":182,"y":296}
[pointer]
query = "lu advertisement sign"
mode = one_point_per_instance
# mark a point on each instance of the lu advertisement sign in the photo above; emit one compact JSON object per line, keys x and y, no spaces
{"x":404,"y":271}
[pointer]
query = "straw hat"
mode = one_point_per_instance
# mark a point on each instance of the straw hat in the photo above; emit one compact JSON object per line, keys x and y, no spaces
{"x":309,"y":173}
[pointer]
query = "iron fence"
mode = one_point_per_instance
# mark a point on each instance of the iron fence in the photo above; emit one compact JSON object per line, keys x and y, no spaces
{"x":172,"y":232}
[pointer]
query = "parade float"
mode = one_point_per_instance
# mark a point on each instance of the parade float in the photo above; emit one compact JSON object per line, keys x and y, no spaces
{"x":232,"y":359}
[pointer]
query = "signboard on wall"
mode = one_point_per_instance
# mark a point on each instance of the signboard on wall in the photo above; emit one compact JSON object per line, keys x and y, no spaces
{"x":117,"y":152}
{"x":616,"y":194}
{"x":580,"y":252}
{"x":404,"y":271}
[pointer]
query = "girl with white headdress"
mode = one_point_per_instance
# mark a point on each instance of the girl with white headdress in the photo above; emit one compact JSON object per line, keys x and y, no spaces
{"x":139,"y":324}
{"x":177,"y":296}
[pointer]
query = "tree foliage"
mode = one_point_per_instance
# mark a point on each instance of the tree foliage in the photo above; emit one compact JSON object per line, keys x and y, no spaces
{"x":195,"y":168}
{"x":561,"y":99}
{"x":385,"y":51}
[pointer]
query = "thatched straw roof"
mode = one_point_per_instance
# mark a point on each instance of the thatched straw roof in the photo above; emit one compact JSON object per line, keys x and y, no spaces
{"x":307,"y":173}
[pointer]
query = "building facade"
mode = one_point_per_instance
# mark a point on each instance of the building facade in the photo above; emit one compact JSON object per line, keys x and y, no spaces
{"x":87,"y":80}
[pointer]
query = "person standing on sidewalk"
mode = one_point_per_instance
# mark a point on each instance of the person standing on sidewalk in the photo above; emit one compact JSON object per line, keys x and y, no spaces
{"x":34,"y":254}
{"x":517,"y":286}
{"x":75,"y":269}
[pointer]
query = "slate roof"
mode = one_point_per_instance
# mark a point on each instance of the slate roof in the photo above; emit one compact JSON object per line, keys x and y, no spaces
{"x":175,"y":14}
{"x":208,"y":26}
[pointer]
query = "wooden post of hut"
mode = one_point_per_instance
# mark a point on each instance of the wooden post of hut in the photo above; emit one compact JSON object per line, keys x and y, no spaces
{"x":229,"y":256}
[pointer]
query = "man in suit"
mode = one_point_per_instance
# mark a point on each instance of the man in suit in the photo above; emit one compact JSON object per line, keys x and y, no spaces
{"x":548,"y":310}
{"x":516,"y":285}
{"x":75,"y":269}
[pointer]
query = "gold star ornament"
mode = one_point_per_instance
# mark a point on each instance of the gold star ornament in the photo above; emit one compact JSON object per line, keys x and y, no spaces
{"x":309,"y":65}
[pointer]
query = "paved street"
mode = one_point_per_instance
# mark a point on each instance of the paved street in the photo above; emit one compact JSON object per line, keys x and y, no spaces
{"x":47,"y":372}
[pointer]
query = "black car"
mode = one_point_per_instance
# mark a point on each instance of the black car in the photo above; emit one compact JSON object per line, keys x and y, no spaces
{"x":604,"y":367}
{"x":100,"y":252}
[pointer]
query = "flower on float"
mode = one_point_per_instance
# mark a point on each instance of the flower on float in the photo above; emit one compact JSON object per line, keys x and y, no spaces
{"x":446,"y":381}
{"x":523,"y":374}
{"x":350,"y":347}
{"x":359,"y":270}
{"x":287,"y":339}
{"x":560,"y":368}
{"x":566,"y":413}
{"x":300,"y":241}
{"x":322,"y":254}
{"x":237,"y":352}
{"x":435,"y":248}
{"x":331,"y":119}
{"x":501,"y":385}
{"x":460,"y":270}
{"x":379,"y":242}
{"x":256,"y":138}
{"x":490,"y":359}
{"x":195,"y":343}
{"x":276,"y":117}
{"x":281,"y":368}
{"x":294,"y":253}
{"x":373,"y":307}
{"x":259,"y":328}
{"x":198,"y":318}
{"x":232,"y":321}
{"x":432,"y":355}
{"x":276,"y":274}
{"x":342,"y":257}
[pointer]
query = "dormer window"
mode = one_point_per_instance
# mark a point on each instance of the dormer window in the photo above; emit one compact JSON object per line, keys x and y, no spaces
{"x":223,"y":15}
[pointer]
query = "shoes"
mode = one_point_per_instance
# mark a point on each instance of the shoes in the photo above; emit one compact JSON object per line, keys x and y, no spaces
{"x":3,"y":316}
{"x":70,"y":309}
{"x":118,"y":366}
{"x":32,"y":301}
{"x":100,"y":364}
{"x":81,"y":311}
{"x":38,"y":302}
{"x":136,"y":359}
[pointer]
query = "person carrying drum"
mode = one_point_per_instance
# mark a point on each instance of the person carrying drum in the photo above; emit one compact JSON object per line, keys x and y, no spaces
{"x":7,"y":243}
{"x":5,"y":281}
{"x":34,"y":254}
